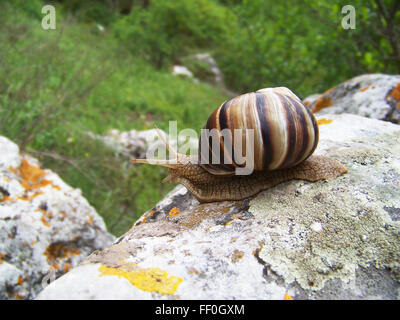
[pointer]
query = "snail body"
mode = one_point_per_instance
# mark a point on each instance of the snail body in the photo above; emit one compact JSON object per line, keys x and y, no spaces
{"x":284,"y":136}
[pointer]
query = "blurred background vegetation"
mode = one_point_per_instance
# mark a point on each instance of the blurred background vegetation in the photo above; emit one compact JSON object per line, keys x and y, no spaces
{"x":108,"y":65}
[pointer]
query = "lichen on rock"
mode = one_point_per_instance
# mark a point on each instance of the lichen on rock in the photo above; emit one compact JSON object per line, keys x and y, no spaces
{"x":46,"y":227}
{"x":337,"y":239}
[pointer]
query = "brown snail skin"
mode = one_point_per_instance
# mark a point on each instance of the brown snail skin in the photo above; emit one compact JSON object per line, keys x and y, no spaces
{"x":285,"y":136}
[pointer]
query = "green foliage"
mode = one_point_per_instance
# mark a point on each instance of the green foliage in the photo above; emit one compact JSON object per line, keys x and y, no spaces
{"x":303,"y":46}
{"x":167,"y":29}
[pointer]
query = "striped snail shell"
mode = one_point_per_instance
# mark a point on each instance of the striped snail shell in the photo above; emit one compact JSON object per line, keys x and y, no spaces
{"x":285,"y":131}
{"x":285,"y":134}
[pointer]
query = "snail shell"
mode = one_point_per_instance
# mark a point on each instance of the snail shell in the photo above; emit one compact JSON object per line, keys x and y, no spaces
{"x":285,"y":131}
{"x":285,"y":136}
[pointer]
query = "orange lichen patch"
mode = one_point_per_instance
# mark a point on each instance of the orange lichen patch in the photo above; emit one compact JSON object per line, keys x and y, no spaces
{"x":173,"y":212}
{"x":287,"y":297}
{"x":31,"y":197}
{"x":2,"y":255}
{"x":150,"y":213}
{"x":324,"y":121}
{"x":56,"y":187}
{"x":395,"y":93}
{"x":90,"y":220}
{"x":321,"y":103}
{"x":5,"y":198}
{"x":20,"y":280}
{"x":30,"y":174}
{"x":306,"y":102}
{"x":67,"y":267}
{"x":57,"y":250}
{"x":63,"y":214}
{"x":55,"y":266}
{"x":398,"y":105}
{"x":42,"y":184}
{"x":33,"y":243}
{"x":193,"y":271}
{"x":364,"y":89}
{"x":237,"y":255}
{"x":13,"y":170}
{"x":256,"y":252}
{"x":45,"y":222}
{"x":19,"y":296}
{"x":151,"y":280}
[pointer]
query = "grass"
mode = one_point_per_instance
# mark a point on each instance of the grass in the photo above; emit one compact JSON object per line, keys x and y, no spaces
{"x":55,"y":85}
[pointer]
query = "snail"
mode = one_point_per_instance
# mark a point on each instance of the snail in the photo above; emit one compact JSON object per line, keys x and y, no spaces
{"x":285,"y":134}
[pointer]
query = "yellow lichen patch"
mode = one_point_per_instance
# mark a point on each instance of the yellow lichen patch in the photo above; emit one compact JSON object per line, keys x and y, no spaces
{"x":321,"y":103}
{"x":324,"y":121}
{"x":55,"y":251}
{"x":364,"y":89}
{"x":287,"y":297}
{"x":173,"y":212}
{"x":152,"y":279}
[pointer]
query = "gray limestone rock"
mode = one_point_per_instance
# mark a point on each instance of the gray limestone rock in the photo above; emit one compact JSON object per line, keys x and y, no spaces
{"x":336,"y":239}
{"x":46,"y":227}
{"x":370,"y":95}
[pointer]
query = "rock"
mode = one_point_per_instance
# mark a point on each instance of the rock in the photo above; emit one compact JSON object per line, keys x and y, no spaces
{"x":212,"y":67}
{"x":311,"y":99}
{"x":46,"y":227}
{"x":371,"y":95}
{"x":182,"y":71}
{"x":135,"y":144}
{"x":336,"y":239}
